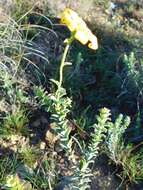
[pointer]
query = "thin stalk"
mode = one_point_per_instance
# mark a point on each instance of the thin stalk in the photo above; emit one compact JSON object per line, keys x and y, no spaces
{"x":68,"y":43}
{"x":62,"y":64}
{"x":49,"y":182}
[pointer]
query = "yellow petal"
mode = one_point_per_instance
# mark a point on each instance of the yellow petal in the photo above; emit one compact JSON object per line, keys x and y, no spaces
{"x":75,"y":24}
{"x":93,"y":43}
{"x":68,"y":18}
{"x":82,"y":37}
{"x":72,"y":20}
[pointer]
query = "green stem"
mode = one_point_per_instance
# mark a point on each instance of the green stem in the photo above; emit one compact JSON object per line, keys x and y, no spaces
{"x":63,"y":64}
{"x":68,"y":43}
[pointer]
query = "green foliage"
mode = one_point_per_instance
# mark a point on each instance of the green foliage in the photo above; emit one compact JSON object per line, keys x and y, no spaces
{"x":84,"y":118}
{"x":29,"y":155}
{"x":8,"y":166}
{"x":133,"y":85}
{"x":115,"y":137}
{"x":135,"y":71}
{"x":58,"y":105}
{"x":100,"y":130}
{"x":83,"y":173}
{"x":132,"y":163}
{"x":16,"y":122}
{"x":128,"y":157}
{"x":12,"y":79}
{"x":14,"y":93}
{"x":14,"y":183}
{"x":97,"y":80}
{"x":44,"y":176}
{"x":130,"y":62}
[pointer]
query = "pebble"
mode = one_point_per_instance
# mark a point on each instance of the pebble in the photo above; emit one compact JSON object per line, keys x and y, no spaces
{"x":62,"y":161}
{"x":42,"y":145}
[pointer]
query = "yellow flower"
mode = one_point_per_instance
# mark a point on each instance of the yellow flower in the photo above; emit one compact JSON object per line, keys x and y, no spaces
{"x":76,"y":25}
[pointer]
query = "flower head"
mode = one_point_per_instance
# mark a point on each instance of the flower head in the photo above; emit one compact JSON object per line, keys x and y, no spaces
{"x":77,"y":26}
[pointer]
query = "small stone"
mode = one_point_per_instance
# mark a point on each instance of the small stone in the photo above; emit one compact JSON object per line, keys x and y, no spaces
{"x":50,"y":137}
{"x":55,"y":153}
{"x":42,"y":145}
{"x":62,"y":161}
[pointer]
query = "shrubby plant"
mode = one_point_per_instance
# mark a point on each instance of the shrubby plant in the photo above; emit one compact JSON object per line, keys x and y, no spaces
{"x":59,"y":105}
{"x":12,"y":78}
{"x":83,"y":173}
{"x":115,"y":137}
{"x":42,"y":164}
{"x":126,"y":156}
{"x":13,"y":183}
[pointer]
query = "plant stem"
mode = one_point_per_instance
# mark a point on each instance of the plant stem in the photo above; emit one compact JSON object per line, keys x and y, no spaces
{"x":68,"y":43}
{"x":62,"y":64}
{"x":49,"y":182}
